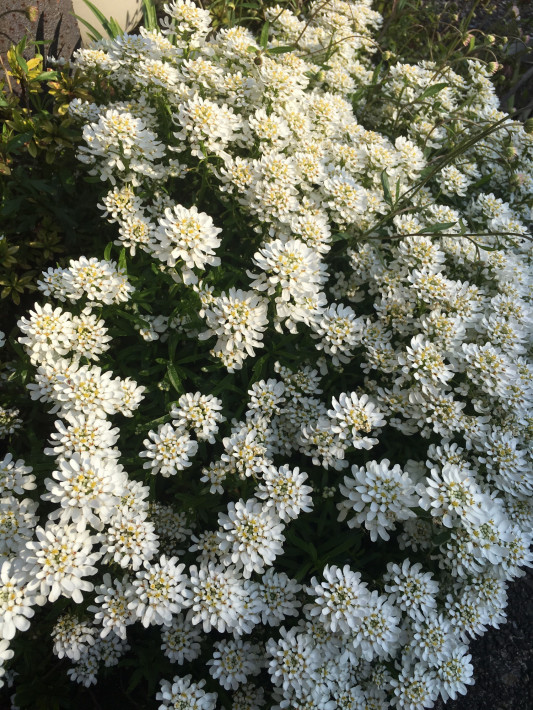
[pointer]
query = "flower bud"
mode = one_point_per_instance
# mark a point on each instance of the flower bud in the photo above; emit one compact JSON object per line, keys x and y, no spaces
{"x":528,"y":126}
{"x":511,"y":152}
{"x":32,"y":13}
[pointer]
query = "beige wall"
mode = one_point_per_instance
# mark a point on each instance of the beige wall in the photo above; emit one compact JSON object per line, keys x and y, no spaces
{"x":127,"y":13}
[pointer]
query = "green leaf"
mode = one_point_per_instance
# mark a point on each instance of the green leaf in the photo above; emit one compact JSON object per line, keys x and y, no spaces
{"x":307,"y":547}
{"x":386,"y":188}
{"x":432,"y":91}
{"x":107,"y":251}
{"x":115,"y":27}
{"x":110,"y":26}
{"x":95,"y":36}
{"x":174,"y":378}
{"x":149,"y":15}
{"x":439,"y":227}
{"x":263,"y":39}
{"x":18,"y":141}
{"x":280,"y":50}
{"x":47,"y":76}
{"x":122,"y":263}
{"x":302,"y":571}
{"x":22,"y":63}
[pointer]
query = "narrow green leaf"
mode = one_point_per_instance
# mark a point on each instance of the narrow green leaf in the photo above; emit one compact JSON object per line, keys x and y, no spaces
{"x":439,"y":227}
{"x":22,"y":63}
{"x":174,"y":378}
{"x":115,"y":28}
{"x":263,"y":39}
{"x":122,"y":262}
{"x":47,"y":76}
{"x":107,"y":251}
{"x":432,"y":91}
{"x":149,"y":15}
{"x":386,"y":188}
{"x":95,"y":35}
{"x":280,"y":50}
{"x":100,"y":16}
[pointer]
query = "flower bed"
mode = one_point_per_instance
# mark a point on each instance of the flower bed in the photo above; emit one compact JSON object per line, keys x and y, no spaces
{"x":281,"y":427}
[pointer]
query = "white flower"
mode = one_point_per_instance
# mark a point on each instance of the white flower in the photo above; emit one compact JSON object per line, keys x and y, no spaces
{"x":380,"y":496}
{"x":16,"y":601}
{"x":451,"y":494}
{"x":173,"y":526}
{"x":5,"y":655}
{"x":325,"y":447}
{"x":201,"y":413}
{"x":285,"y":491}
{"x":424,"y":362}
{"x":245,"y":453}
{"x":86,"y":488}
{"x":181,"y":640}
{"x":340,"y":332}
{"x":432,"y":639}
{"x":293,"y":266}
{"x":132,"y":396}
{"x":455,"y":672}
{"x":218,"y":597}
{"x":415,"y":688}
{"x":266,"y":398}
{"x":410,"y":589}
{"x":15,"y":476}
{"x":110,"y":606}
{"x":378,"y":634}
{"x":72,"y":636}
{"x":248,"y":697}
{"x":189,"y":236}
{"x":341,"y":600}
{"x":58,"y":561}
{"x":238,"y":319}
{"x":168,"y":450}
{"x":10,"y":422}
{"x":293,"y":661}
{"x":233,"y":661}
{"x":47,"y":331}
{"x":206,"y":543}
{"x":158,"y":592}
{"x":83,"y":434}
{"x":453,"y":181}
{"x":352,"y":414}
{"x":129,"y":539}
{"x":99,"y":281}
{"x":207,"y":126}
{"x":135,"y":231}
{"x":278,"y":596}
{"x":345,"y":197}
{"x":17,"y":522}
{"x":119,"y":142}
{"x":89,"y":390}
{"x":89,"y":336}
{"x":250,"y":535}
{"x":183,"y":693}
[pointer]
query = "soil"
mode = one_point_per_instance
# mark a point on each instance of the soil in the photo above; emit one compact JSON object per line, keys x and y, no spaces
{"x":503,"y":659}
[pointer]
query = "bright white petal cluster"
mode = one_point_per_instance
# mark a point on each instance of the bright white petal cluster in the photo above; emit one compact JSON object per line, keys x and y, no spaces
{"x":379,"y":495}
{"x":250,"y":535}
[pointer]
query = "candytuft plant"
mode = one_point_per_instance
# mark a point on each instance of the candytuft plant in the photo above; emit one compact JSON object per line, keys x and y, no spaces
{"x":280,"y":426}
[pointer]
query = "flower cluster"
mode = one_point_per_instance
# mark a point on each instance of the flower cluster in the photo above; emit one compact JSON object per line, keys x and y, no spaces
{"x":308,"y":356}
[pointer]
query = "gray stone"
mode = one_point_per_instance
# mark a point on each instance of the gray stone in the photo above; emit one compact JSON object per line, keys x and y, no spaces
{"x":53,"y":16}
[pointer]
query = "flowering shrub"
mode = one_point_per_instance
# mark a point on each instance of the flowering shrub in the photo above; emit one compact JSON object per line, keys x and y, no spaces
{"x":288,"y":411}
